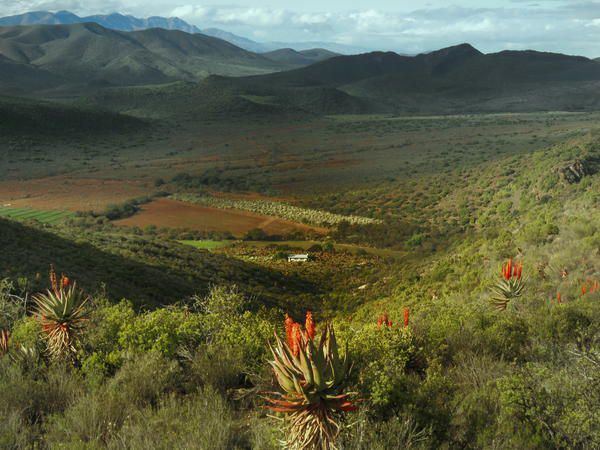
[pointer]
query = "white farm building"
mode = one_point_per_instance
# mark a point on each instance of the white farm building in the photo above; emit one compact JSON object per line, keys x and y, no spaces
{"x":297,"y":258}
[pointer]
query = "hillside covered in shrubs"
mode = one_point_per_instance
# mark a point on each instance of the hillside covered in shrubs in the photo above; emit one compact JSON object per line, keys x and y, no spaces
{"x":490,"y":337}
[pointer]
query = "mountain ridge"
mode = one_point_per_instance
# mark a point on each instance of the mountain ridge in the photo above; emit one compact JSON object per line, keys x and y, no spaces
{"x":88,"y":53}
{"x":113,"y":21}
{"x":123,"y":22}
{"x":451,"y":80}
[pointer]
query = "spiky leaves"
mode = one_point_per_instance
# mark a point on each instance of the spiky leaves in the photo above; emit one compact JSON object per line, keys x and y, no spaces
{"x":4,"y":342}
{"x":510,"y":287}
{"x":312,"y":377}
{"x":62,"y":313}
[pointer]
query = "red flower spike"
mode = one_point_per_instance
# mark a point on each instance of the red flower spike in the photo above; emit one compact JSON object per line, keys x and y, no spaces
{"x":289,"y":326}
{"x":384,"y":319}
{"x":583,"y":290}
{"x":406,"y":317}
{"x":309,"y":325}
{"x":520,"y":270}
{"x":296,"y":338}
{"x":558,"y":298}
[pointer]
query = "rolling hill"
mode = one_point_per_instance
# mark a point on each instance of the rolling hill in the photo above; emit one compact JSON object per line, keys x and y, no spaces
{"x":29,"y":118}
{"x":19,"y":78}
{"x":89,"y":54}
{"x":160,"y":272}
{"x":455,"y":79}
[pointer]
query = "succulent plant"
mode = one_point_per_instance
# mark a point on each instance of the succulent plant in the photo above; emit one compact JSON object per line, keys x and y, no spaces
{"x":312,"y":377}
{"x":510,"y":287}
{"x":62,"y":312}
{"x":27,"y":358}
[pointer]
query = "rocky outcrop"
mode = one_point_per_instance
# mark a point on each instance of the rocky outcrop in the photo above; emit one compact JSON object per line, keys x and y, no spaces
{"x":575,"y":171}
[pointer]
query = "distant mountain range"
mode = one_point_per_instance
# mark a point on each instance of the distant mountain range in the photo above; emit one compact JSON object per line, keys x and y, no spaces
{"x":39,"y":59}
{"x":264,"y":47}
{"x":116,"y":21}
{"x":451,"y":80}
{"x":113,"y":21}
{"x":87,"y":54}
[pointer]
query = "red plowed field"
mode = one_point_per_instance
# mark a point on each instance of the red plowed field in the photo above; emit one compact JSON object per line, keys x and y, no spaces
{"x":175,"y":214}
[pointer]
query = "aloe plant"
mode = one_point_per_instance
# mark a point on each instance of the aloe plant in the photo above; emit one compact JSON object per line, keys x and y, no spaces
{"x":62,"y":312}
{"x":313,"y":378}
{"x":510,"y":287}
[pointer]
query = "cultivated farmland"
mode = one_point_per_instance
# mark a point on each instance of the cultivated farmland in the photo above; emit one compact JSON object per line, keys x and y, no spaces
{"x":176,"y":214}
{"x":51,"y":216}
{"x":277,"y":209}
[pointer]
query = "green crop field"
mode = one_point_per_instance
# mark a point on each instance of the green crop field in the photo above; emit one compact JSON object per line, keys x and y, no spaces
{"x":206,"y":245}
{"x":51,"y":216}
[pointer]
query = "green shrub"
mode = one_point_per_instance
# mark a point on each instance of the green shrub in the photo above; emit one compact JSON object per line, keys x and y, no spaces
{"x":26,"y":332}
{"x":145,"y":378}
{"x":380,"y":358}
{"x":201,"y":421}
{"x":163,"y":330}
{"x":397,"y":432}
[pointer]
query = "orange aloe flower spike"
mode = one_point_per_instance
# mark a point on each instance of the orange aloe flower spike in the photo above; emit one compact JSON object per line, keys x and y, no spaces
{"x":406,"y":317}
{"x":309,"y":325}
{"x":296,"y":338}
{"x":289,"y":330}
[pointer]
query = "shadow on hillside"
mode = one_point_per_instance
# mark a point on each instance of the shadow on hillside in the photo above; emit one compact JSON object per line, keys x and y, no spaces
{"x":147,"y":272}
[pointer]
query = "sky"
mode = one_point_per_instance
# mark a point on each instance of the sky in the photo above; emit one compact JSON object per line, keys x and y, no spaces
{"x":565,"y":26}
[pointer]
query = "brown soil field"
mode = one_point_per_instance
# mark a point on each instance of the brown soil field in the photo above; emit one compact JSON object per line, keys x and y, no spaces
{"x":69,"y":193}
{"x":175,"y":214}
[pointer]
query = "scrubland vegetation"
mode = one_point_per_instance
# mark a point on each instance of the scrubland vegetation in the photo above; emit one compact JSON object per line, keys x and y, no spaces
{"x":451,"y":296}
{"x":460,"y":350}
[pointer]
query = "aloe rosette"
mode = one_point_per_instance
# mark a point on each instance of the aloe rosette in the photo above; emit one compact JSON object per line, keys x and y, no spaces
{"x":510,"y":287}
{"x":313,"y":377}
{"x":62,"y":312}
